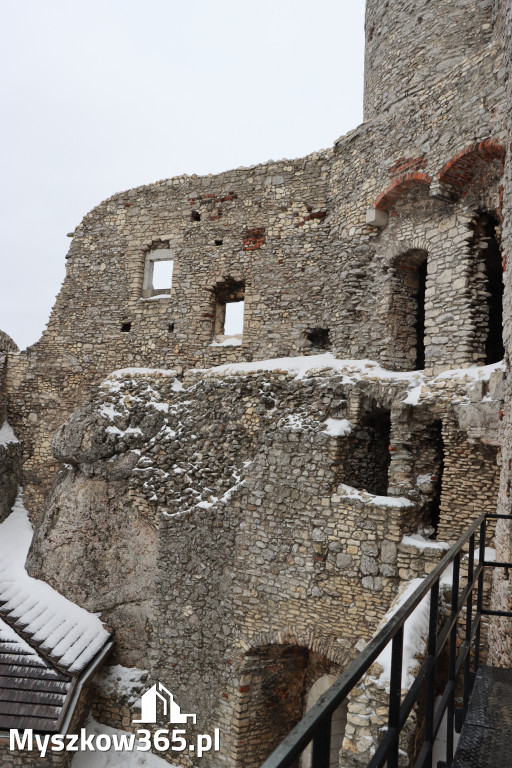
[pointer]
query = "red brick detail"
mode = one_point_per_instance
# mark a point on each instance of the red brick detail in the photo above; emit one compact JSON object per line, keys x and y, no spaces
{"x":407,"y":164}
{"x":311,"y":216}
{"x":461,"y":169}
{"x":212,"y":199}
{"x":254,"y":238}
{"x":398,"y":186}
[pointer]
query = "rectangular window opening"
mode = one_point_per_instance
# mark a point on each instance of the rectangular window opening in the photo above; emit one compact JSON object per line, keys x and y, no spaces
{"x":234,"y":320}
{"x":162,"y":275}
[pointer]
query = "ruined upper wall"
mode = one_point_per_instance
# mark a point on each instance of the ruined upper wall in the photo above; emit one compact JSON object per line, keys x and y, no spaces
{"x":410,"y":44}
{"x":293,"y":233}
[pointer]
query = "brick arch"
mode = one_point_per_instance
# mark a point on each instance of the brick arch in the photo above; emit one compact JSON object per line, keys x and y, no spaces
{"x":460,"y":170}
{"x":398,"y":186}
{"x":401,"y":247}
{"x":275,"y":672}
{"x":327,"y":646}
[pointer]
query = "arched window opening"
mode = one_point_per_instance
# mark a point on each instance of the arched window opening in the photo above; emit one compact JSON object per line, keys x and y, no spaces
{"x":229,"y":312}
{"x":407,"y":315}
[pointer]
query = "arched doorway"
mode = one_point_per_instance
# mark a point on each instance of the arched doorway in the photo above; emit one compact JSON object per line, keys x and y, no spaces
{"x":276,"y":687}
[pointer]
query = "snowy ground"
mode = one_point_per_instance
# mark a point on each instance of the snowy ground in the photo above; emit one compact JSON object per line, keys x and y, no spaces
{"x":113,"y":759}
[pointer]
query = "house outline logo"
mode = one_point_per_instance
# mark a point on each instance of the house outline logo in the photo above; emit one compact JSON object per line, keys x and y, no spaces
{"x":158,"y":693}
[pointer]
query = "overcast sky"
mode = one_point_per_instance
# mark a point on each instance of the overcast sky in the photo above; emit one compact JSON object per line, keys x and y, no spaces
{"x":103,"y":95}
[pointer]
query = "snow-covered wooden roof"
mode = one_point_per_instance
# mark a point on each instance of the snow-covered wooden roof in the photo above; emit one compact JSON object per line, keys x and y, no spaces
{"x":46,"y":641}
{"x":32,"y":692}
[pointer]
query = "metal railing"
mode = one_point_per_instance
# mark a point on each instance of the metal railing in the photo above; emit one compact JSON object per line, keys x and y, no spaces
{"x":315,"y":727}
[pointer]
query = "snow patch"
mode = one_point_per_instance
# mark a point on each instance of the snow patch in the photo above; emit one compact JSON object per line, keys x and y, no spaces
{"x":122,"y":373}
{"x":347,"y":492}
{"x":159,"y":406}
{"x":338,"y":427}
{"x":473,"y":373}
{"x":294,"y":422}
{"x":111,"y":759}
{"x":7,"y":435}
{"x":122,"y":681}
{"x":301,"y":366}
{"x":123,"y":432}
{"x":489,"y":554}
{"x":155,"y":298}
{"x":108,"y":411}
{"x":414,"y":395}
{"x":229,"y":341}
{"x":420,"y":542}
{"x":415,"y":633}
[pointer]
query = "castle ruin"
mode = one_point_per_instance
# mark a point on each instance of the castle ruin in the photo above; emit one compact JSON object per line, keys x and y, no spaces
{"x":256,"y":387}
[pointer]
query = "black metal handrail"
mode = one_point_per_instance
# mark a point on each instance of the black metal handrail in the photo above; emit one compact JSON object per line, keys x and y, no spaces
{"x":315,"y":726}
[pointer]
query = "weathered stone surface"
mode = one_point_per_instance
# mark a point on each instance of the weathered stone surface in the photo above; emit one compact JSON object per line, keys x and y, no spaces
{"x":239,"y":542}
{"x":101,"y":554}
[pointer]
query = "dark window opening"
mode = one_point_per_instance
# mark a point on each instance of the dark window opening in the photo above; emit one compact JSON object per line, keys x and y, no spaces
{"x":126,"y":327}
{"x":170,"y":327}
{"x":229,"y":311}
{"x":432,"y":507}
{"x":494,"y":349}
{"x":407,"y":312}
{"x":319,"y":338}
{"x":218,"y":242}
{"x":364,"y":456}
{"x":419,"y":325}
{"x":195,"y":216}
{"x":488,"y":283}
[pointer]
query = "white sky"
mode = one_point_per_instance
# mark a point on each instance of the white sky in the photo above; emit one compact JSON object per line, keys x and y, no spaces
{"x":104,"y":95}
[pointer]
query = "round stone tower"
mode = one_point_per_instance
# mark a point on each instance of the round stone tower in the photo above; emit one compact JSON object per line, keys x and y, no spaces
{"x":412,"y":43}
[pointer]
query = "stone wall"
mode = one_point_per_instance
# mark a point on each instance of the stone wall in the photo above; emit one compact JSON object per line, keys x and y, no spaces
{"x":293,"y":236}
{"x":254,"y":544}
{"x":230,"y":526}
{"x":501,"y":628}
{"x":401,"y":61}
